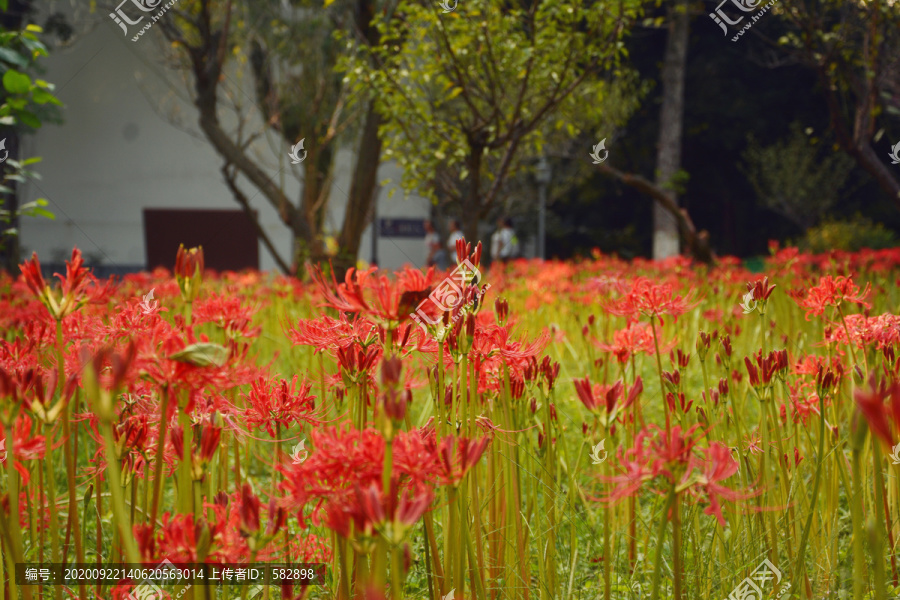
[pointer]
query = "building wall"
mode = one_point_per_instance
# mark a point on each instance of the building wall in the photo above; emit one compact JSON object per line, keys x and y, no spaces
{"x":131,"y":140}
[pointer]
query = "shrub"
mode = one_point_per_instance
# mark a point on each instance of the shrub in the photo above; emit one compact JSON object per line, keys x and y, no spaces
{"x":851,"y":235}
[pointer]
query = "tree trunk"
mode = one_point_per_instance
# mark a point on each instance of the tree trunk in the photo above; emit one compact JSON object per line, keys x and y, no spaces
{"x":671,"y":118}
{"x":469,"y":217}
{"x":362,"y":193}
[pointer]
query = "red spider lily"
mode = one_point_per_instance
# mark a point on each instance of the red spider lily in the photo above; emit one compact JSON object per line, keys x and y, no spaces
{"x":761,"y":291}
{"x":627,"y":342}
{"x":189,"y":267}
{"x":832,"y":291}
{"x":387,"y":306}
{"x":879,"y":332}
{"x":676,"y":458}
{"x":73,"y":292}
{"x":37,"y":395}
{"x":651,"y":300}
{"x":718,"y":465}
{"x":25,"y":446}
{"x":453,"y":465}
{"x":228,"y":313}
{"x":870,"y":401}
{"x":804,"y":403}
{"x":370,"y":511}
{"x":277,"y":402}
{"x":327,"y":333}
{"x":765,"y":369}
{"x":600,"y":396}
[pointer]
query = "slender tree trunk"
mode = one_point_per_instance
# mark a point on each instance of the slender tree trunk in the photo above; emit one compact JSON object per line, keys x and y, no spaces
{"x":671,"y":120}
{"x":470,"y":198}
{"x":362,"y":193}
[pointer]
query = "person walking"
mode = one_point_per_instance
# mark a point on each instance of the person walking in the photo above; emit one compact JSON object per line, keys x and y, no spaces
{"x":434,"y":254}
{"x":455,"y":234}
{"x":504,"y":243}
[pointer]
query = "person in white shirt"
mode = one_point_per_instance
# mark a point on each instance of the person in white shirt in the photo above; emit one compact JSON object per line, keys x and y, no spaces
{"x":504,"y":243}
{"x":455,"y":234}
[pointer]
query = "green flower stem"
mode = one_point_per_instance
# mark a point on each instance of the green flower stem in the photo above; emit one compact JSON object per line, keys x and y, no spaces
{"x":13,"y":533}
{"x":118,"y":502}
{"x":660,"y":543}
{"x":50,"y":477}
{"x":856,"y":502}
{"x":69,"y":456}
{"x":662,"y":386}
{"x":876,"y":531}
{"x":800,"y":567}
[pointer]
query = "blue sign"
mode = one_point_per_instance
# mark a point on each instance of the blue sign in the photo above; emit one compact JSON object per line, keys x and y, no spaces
{"x":401,"y":228}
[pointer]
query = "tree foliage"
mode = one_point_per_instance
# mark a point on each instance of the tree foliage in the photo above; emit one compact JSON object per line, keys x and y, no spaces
{"x":469,"y":97}
{"x":25,"y":103}
{"x":797,"y":177}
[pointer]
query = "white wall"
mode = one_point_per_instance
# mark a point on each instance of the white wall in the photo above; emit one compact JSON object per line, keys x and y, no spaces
{"x":131,"y":141}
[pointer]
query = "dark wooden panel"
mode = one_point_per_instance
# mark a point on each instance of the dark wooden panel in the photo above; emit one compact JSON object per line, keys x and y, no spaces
{"x":227,"y":236}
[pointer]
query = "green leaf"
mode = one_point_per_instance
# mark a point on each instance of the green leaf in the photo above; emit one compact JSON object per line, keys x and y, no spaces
{"x":202,"y":354}
{"x":41,"y":96}
{"x":29,"y":119}
{"x":16,"y":82}
{"x":13,"y":57}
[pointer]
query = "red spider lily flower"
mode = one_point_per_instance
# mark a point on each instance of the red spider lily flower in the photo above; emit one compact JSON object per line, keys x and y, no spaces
{"x":633,"y":339}
{"x":600,"y":396}
{"x":228,"y":313}
{"x":870,"y":401}
{"x":26,"y":445}
{"x":38,"y":396}
{"x":455,"y":465}
{"x":73,"y":291}
{"x":832,"y":291}
{"x":249,"y":510}
{"x":189,"y":267}
{"x":390,"y":300}
{"x":718,"y":465}
{"x":765,"y":369}
{"x":277,"y":402}
{"x":326,"y":333}
{"x":651,"y":300}
{"x":754,"y":443}
{"x":703,"y":343}
{"x":683,"y":405}
{"x":880,"y":332}
{"x":761,"y":291}
{"x":804,"y":403}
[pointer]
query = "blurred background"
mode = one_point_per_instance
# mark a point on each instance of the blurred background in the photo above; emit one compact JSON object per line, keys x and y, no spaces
{"x":278,"y":133}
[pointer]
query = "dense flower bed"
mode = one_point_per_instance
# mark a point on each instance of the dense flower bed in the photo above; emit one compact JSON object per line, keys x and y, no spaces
{"x":571,"y":430}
